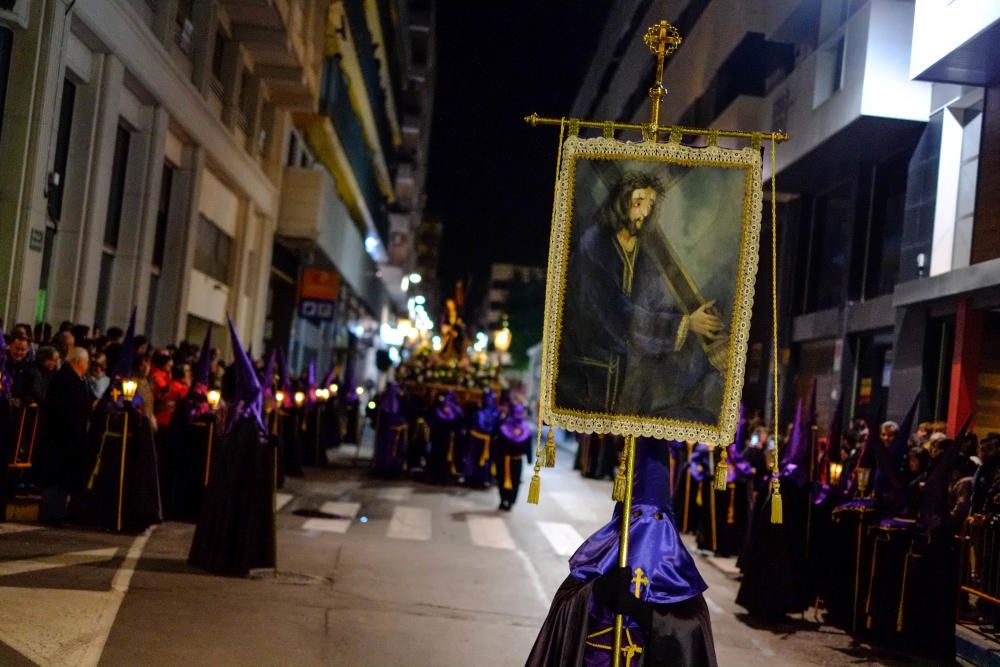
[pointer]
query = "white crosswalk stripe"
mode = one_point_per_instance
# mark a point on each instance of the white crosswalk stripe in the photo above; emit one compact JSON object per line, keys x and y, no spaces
{"x":563,"y":537}
{"x":396,"y":494}
{"x":345,"y":513}
{"x":489,"y":531}
{"x":410,"y":523}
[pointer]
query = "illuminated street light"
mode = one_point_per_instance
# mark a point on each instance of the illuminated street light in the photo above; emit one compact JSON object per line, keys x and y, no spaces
{"x":415,"y":278}
{"x":501,"y":339}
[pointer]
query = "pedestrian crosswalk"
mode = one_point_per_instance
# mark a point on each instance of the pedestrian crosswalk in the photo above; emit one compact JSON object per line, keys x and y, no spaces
{"x":410,"y":523}
{"x":395,"y":512}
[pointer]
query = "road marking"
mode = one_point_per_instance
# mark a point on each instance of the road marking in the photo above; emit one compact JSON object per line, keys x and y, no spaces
{"x":327,"y":525}
{"x":341,"y":509}
{"x":564,"y":538}
{"x":572,"y":505}
{"x":119,"y":587}
{"x":396,"y":494}
{"x":410,"y":523}
{"x":70,"y":559}
{"x":534,"y":578}
{"x":281,"y":499}
{"x":713,"y":606}
{"x":489,"y":531}
{"x":8,"y":528}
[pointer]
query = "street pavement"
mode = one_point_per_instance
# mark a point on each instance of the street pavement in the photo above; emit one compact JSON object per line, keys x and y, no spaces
{"x":384,"y":573}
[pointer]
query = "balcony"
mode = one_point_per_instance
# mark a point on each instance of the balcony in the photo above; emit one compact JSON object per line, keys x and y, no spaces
{"x":282,"y":40}
{"x":335,"y":103}
{"x":858,"y":77}
{"x":369,"y":64}
{"x":313,"y":216}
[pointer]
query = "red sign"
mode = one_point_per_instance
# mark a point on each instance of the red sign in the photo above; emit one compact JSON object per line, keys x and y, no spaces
{"x":319,"y":285}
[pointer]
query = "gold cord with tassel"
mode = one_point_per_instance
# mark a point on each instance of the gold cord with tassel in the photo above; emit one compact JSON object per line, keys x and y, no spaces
{"x":550,"y":449}
{"x":548,"y":457}
{"x":618,"y":489}
{"x":776,"y":513}
{"x":721,"y":471}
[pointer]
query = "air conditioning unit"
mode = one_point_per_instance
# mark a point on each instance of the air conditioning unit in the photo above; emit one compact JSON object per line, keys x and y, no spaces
{"x":14,"y":13}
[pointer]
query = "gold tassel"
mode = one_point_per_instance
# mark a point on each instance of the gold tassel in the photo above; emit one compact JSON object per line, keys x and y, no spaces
{"x":721,"y":472}
{"x":618,"y":489}
{"x":535,"y":487}
{"x":550,"y":450}
{"x":776,"y":515}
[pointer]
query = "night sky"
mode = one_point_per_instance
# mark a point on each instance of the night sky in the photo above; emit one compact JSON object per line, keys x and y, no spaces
{"x":491,"y":175}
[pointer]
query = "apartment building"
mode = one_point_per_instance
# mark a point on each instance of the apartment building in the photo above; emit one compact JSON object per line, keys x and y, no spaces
{"x":354,"y":172}
{"x":882,"y":225}
{"x":193,"y":158}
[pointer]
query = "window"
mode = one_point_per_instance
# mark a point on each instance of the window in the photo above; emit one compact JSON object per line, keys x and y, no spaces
{"x":154,"y":282}
{"x":218,"y":53}
{"x":116,"y":193}
{"x":829,"y":72}
{"x":62,"y":150}
{"x":163,"y":214}
{"x":213,"y":252}
{"x":828,"y":253}
{"x":293,"y":149}
{"x":103,"y":290}
{"x":185,"y":24}
{"x":6,"y":38}
{"x":885,"y":233}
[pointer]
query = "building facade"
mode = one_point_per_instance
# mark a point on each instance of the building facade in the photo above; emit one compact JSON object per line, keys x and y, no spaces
{"x":884,"y":263}
{"x":175,"y":156}
{"x":354,"y":176}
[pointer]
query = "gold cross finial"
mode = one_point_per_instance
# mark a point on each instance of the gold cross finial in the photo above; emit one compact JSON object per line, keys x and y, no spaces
{"x":662,"y":38}
{"x":639,"y":580}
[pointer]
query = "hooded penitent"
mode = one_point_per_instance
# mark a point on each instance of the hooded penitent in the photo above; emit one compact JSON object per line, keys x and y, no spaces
{"x":664,"y":579}
{"x":391,"y":433}
{"x":654,"y":543}
{"x":235,"y":532}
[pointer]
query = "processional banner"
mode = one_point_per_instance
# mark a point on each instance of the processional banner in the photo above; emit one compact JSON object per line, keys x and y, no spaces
{"x":652,"y":263}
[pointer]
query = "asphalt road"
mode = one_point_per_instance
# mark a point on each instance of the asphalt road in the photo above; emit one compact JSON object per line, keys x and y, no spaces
{"x":403,"y":574}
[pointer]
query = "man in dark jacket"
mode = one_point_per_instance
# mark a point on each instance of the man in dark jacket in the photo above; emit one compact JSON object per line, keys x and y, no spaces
{"x":31,"y":378}
{"x":66,"y":417}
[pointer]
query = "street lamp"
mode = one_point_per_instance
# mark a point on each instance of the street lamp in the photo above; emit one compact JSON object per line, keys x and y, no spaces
{"x":501,"y":339}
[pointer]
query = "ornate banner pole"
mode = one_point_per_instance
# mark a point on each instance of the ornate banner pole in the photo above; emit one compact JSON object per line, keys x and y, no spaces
{"x":662,"y":39}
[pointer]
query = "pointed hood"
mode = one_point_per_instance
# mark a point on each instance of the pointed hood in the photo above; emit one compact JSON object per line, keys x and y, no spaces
{"x":246,"y":394}
{"x":284,"y":381}
{"x":515,"y":427}
{"x":834,"y":436}
{"x":889,"y":481}
{"x":934,"y":504}
{"x":391,"y":402}
{"x":738,"y":467}
{"x":204,"y":365}
{"x":126,"y":354}
{"x":5,"y":380}
{"x":488,"y":413}
{"x":267,"y":379}
{"x":331,"y":376}
{"x":654,"y":543}
{"x":794,"y":464}
{"x":311,"y":381}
